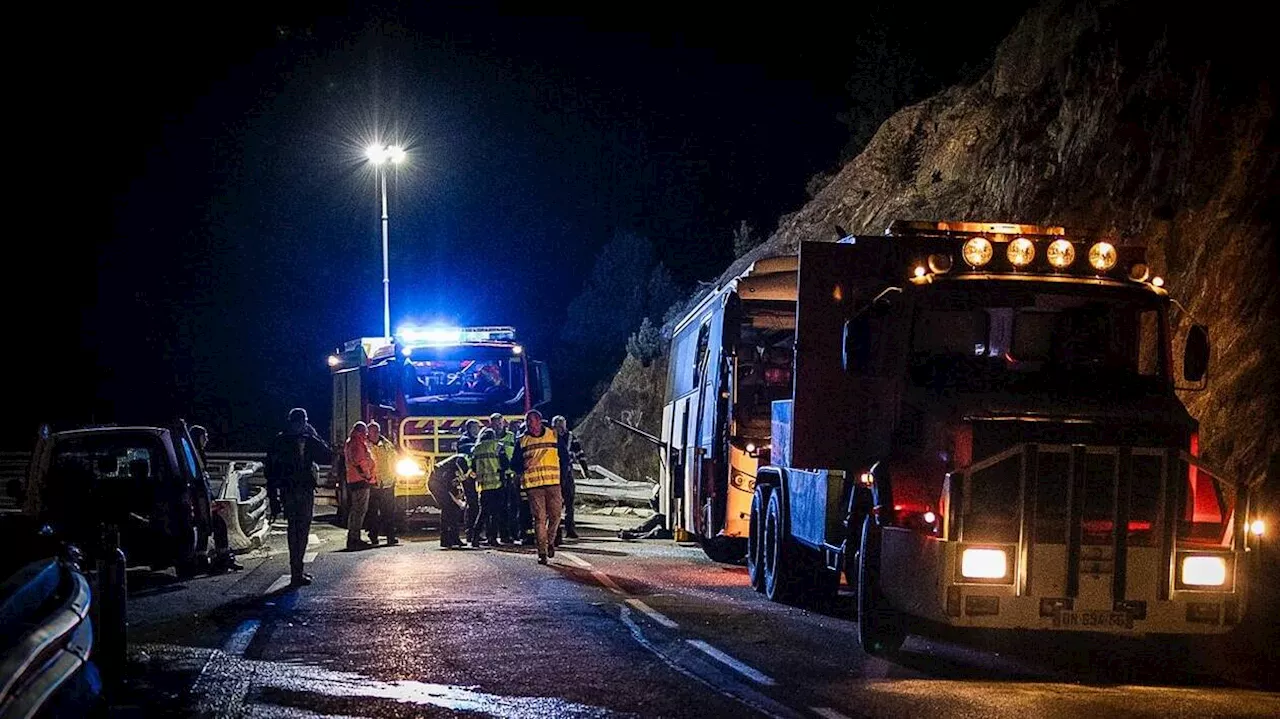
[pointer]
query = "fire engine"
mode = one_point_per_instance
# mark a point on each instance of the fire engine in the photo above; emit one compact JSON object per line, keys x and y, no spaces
{"x":422,"y":386}
{"x":976,"y":423}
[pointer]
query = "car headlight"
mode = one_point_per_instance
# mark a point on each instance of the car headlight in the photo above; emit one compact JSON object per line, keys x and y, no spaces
{"x":409,"y":467}
{"x":1202,"y":571}
{"x":1061,"y":254}
{"x":984,"y":564}
{"x":1021,"y":252}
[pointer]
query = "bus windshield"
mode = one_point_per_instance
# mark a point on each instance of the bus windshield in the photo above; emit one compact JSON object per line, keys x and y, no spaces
{"x":1068,"y":340}
{"x":450,"y":383}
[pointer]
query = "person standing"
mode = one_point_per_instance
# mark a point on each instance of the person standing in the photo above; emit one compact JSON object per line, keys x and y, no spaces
{"x":467,"y":445}
{"x":507,"y":524}
{"x":538,"y":460}
{"x":360,"y":479}
{"x":567,"y":446}
{"x":382,"y":520}
{"x":293,"y":468}
{"x":223,"y":559}
{"x":445,"y":485}
{"x":490,"y":463}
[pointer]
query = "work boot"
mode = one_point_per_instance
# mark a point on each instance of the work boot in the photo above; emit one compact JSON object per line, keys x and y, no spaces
{"x":571,"y":534}
{"x":392,"y":541}
{"x":542,"y":559}
{"x":358,"y":544}
{"x":301,"y":580}
{"x":551,"y":550}
{"x":373,"y":540}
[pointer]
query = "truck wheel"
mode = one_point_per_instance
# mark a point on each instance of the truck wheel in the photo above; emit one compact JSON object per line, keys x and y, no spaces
{"x":784,"y":569}
{"x":755,"y":537}
{"x":880,"y":629}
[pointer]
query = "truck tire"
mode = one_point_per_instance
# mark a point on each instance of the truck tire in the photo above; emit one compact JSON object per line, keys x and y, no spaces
{"x":784,"y":569}
{"x":725,"y":550}
{"x":880,"y":628}
{"x":755,"y":536}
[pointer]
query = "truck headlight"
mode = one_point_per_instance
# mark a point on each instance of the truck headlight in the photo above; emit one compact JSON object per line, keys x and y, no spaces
{"x":984,"y":563}
{"x":1202,"y":571}
{"x":409,"y":467}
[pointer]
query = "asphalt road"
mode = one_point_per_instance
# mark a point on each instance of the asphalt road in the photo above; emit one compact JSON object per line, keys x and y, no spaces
{"x":611,"y":628}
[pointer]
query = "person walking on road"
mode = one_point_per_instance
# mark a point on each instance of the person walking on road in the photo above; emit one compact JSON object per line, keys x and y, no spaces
{"x":490,"y":464}
{"x":382,"y":519}
{"x":567,"y":446}
{"x":293,"y":468}
{"x":537,"y":458}
{"x":223,"y":559}
{"x":360,"y":479}
{"x":445,"y":485}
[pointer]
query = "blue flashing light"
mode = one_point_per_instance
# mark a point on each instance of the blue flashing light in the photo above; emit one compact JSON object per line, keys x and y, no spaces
{"x":430,"y":335}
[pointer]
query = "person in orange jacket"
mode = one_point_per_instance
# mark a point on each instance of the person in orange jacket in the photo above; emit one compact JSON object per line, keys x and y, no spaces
{"x":361,"y":477}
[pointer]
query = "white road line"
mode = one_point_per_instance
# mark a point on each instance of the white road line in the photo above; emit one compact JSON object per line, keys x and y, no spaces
{"x":309,"y":557}
{"x":653,"y":614}
{"x":576,"y":560}
{"x":240,"y":638}
{"x":313,"y":540}
{"x":745,"y":670}
{"x":607,"y":581}
{"x":277,"y":585}
{"x":828,"y":713}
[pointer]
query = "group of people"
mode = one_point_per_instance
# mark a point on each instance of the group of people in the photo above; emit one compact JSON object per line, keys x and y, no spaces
{"x":371,"y":486}
{"x":504,"y":485}
{"x":508,"y":484}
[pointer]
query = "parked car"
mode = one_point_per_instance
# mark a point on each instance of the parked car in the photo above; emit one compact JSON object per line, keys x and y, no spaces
{"x":147,"y":481}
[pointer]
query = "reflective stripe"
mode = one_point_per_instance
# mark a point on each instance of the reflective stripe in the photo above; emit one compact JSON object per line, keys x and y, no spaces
{"x":541,"y":460}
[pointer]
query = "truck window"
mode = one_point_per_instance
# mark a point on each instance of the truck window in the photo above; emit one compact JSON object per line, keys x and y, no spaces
{"x":1207,"y":510}
{"x":1070,"y":341}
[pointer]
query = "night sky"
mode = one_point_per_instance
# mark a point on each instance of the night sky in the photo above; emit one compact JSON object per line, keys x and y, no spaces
{"x":196,"y":228}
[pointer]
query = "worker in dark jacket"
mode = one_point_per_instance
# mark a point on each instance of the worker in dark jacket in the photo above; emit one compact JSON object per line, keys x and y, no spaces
{"x":293,"y":466}
{"x":445,"y":485}
{"x":568,"y":447}
{"x":467,"y":445}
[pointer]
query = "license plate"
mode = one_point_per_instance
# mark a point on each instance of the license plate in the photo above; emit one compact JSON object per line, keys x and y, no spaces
{"x":1092,"y":619}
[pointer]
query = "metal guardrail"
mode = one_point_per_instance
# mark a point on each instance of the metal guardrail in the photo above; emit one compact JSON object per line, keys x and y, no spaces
{"x":54,"y":650}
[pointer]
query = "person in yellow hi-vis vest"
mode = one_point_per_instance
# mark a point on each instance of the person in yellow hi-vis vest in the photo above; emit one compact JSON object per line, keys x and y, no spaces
{"x":489,"y":461}
{"x":537,"y":459}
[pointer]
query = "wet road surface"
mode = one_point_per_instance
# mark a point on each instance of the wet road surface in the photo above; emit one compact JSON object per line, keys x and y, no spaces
{"x":611,"y":628}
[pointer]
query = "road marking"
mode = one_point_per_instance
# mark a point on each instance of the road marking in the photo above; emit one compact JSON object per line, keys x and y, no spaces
{"x":608,"y":582}
{"x":240,"y":638}
{"x":313,"y":540}
{"x":745,"y":670}
{"x":277,"y":585}
{"x":828,"y":713}
{"x":653,"y":614}
{"x":309,"y":557}
{"x":576,"y":560}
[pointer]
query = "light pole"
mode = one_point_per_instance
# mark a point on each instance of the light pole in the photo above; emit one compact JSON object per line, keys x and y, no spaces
{"x":380,"y":156}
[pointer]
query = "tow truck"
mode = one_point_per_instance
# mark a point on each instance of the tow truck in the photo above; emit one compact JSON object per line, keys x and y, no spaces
{"x":421,"y":386}
{"x":976,"y":423}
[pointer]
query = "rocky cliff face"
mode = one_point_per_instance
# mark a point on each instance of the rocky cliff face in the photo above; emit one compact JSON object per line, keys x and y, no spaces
{"x":1153,"y":123}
